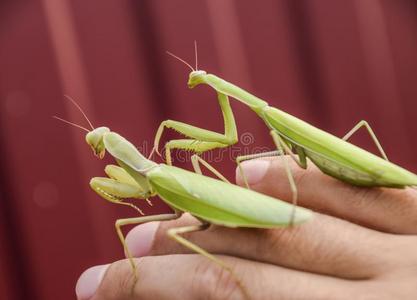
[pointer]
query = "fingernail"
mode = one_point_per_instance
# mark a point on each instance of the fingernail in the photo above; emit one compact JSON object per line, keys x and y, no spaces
{"x":140,"y":239}
{"x":89,"y":281}
{"x":254,"y":170}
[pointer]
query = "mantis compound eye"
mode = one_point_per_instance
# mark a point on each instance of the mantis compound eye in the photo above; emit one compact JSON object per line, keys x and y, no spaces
{"x":197,"y":73}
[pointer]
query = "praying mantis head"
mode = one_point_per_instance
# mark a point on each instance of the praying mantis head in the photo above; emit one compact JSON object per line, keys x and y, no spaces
{"x":94,"y":137}
{"x":196,"y":76}
{"x":102,"y":139}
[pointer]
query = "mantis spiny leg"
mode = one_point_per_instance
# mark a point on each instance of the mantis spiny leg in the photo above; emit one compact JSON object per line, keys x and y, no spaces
{"x":138,"y":220}
{"x":196,"y":160}
{"x":282,"y":149}
{"x":174,"y":233}
{"x":189,"y":145}
{"x":302,"y":162}
{"x":198,"y":135}
{"x":241,"y":158}
{"x":365,"y":124}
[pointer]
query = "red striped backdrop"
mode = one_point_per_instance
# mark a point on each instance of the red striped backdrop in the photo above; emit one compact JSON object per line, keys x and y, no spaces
{"x":329,"y":62}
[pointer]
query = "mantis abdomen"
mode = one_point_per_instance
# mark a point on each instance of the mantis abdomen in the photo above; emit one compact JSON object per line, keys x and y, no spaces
{"x":336,"y":157}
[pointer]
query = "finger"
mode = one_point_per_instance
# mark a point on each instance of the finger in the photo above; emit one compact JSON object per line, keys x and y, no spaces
{"x":385,"y":209}
{"x":188,"y":277}
{"x":325,"y":245}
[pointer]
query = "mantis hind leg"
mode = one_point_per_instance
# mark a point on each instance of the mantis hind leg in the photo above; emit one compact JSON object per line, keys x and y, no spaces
{"x":282,"y":149}
{"x":138,"y":220}
{"x":197,"y":160}
{"x":301,"y":161}
{"x":365,"y":124}
{"x":174,"y":233}
{"x":241,"y":158}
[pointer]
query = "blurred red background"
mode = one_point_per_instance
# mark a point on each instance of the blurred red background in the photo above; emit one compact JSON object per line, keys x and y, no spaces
{"x":331,"y":63}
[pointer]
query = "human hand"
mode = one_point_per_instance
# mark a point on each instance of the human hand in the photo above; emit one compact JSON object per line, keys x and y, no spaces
{"x":361,"y":244}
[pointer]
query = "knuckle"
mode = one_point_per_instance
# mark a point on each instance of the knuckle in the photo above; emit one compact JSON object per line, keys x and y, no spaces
{"x":407,"y":208}
{"x":163,"y":239}
{"x":272,"y":242}
{"x":160,"y":244}
{"x":126,"y":277}
{"x":122,"y":280}
{"x":278,"y":177}
{"x":299,"y":175}
{"x":365,"y":197}
{"x":213,"y":282}
{"x":385,"y":199}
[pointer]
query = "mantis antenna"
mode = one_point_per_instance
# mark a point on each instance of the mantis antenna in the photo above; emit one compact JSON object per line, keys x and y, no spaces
{"x":80,"y":109}
{"x":196,"y":56}
{"x":181,"y":60}
{"x":73,"y":124}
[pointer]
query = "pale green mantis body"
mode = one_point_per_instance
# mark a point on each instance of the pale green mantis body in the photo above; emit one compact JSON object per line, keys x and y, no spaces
{"x":210,"y":200}
{"x":332,"y":155}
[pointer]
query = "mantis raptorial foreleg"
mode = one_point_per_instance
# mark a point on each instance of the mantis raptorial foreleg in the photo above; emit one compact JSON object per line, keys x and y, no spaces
{"x":197,"y":160}
{"x":365,"y":124}
{"x":120,"y":175}
{"x":174,"y":233}
{"x":189,"y":145}
{"x":118,"y":187}
{"x":138,"y":220}
{"x":201,"y":139}
{"x":99,"y":184}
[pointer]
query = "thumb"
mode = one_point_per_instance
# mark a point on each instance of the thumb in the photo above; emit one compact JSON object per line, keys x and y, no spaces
{"x":89,"y":281}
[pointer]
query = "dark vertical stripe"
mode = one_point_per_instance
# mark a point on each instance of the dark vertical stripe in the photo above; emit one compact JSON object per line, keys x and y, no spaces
{"x":308,"y":56}
{"x":150,"y":43}
{"x":18,"y":267}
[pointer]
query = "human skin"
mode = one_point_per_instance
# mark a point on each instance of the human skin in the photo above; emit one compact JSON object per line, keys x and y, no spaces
{"x":361,"y":244}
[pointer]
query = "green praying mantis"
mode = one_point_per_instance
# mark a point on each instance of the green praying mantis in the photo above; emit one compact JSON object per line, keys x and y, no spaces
{"x":210,"y":200}
{"x":332,"y":155}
